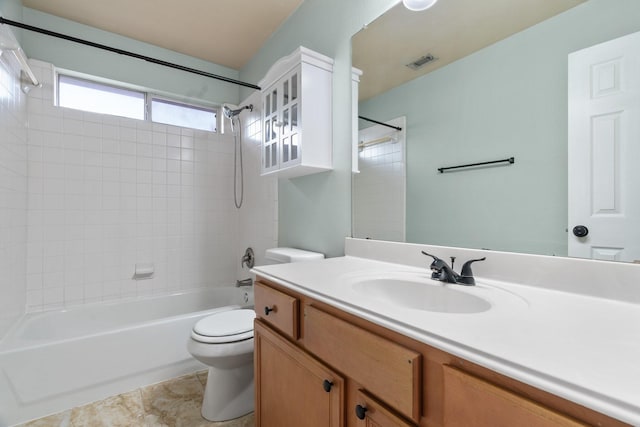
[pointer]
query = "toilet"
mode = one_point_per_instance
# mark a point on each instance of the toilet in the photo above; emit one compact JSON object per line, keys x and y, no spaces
{"x":224,"y":342}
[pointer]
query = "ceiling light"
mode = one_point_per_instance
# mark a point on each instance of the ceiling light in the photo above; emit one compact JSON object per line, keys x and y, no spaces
{"x":418,"y":5}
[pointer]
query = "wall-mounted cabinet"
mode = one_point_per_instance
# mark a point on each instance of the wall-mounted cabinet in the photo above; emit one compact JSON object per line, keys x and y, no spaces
{"x":296,"y":115}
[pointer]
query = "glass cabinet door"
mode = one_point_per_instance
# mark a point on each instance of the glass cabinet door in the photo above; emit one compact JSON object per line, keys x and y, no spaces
{"x":281,"y":123}
{"x":271,"y":109}
{"x":290,"y":152}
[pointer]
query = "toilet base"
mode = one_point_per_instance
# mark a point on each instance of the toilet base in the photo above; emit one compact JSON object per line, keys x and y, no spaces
{"x":229,"y":394}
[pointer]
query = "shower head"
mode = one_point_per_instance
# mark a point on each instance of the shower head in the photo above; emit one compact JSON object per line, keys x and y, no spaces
{"x":231,"y":113}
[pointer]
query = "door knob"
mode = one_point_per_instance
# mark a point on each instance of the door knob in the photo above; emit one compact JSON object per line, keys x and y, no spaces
{"x":580,"y":231}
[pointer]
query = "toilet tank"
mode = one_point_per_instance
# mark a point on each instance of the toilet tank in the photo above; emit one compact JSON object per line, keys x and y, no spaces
{"x":286,"y":255}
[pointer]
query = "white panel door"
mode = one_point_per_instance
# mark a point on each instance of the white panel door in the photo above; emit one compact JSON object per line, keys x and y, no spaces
{"x":604,"y":150}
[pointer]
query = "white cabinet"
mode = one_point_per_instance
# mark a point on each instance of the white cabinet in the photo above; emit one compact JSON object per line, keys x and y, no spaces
{"x":296,"y":115}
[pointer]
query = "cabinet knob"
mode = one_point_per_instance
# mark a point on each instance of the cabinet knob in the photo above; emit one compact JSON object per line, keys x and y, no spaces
{"x":326,"y":385}
{"x":360,"y":412}
{"x":268,"y":310}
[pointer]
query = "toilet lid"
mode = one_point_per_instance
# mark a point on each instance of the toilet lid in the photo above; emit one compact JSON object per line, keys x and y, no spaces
{"x":226,"y":326}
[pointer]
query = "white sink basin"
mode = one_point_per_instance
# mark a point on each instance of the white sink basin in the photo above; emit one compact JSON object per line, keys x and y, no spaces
{"x":419,"y":295}
{"x":419,"y":292}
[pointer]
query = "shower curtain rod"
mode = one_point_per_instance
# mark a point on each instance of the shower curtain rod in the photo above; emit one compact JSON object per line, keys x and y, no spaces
{"x":398,"y":128}
{"x":126,"y":53}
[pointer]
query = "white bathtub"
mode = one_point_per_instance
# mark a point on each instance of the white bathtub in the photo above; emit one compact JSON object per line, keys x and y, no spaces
{"x":56,"y":360}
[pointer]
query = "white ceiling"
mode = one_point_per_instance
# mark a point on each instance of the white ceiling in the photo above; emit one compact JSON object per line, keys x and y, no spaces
{"x":226,"y":32}
{"x":450,"y":30}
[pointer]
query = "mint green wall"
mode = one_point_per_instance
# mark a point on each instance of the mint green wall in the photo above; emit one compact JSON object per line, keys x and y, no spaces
{"x":12,"y":9}
{"x":509,"y":99}
{"x":315,"y":211}
{"x":85,"y":59}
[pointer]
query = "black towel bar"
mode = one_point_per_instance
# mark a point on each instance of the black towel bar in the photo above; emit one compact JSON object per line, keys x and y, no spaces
{"x":511,"y":160}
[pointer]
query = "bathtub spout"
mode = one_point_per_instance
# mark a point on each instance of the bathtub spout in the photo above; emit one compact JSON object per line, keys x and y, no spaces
{"x":244,"y":282}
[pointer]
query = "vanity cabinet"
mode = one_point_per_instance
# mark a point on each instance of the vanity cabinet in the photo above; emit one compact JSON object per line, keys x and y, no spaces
{"x":381,"y":378}
{"x":296,"y":115}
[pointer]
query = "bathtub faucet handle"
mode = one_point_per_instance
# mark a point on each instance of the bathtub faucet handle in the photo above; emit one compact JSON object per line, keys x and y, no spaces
{"x":248,"y":259}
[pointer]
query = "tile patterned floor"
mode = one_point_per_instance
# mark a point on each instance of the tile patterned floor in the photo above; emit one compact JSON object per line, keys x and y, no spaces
{"x":173,"y":403}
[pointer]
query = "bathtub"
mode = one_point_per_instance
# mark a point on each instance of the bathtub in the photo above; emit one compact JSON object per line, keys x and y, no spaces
{"x":55,"y":360}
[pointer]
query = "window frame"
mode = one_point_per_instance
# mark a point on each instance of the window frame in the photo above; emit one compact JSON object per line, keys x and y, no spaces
{"x":149,"y":97}
{"x":149,"y":109}
{"x":97,"y":84}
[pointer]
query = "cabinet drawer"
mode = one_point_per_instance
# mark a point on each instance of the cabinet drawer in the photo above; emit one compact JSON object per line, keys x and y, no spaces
{"x":277,"y":309}
{"x":371,"y":413}
{"x":469,"y":400}
{"x":384,"y":368}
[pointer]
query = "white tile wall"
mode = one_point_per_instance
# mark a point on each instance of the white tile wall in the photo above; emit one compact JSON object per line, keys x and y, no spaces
{"x":106,"y":193}
{"x":379,"y":188}
{"x":259,"y":212}
{"x":13,"y":193}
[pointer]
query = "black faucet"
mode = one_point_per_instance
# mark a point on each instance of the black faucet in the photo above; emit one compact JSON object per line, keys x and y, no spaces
{"x":442,"y":272}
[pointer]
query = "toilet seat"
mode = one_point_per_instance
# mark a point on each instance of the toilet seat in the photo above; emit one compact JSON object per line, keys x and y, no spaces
{"x":225,"y":327}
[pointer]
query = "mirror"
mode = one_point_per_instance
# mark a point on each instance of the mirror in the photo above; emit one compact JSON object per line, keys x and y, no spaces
{"x":497,"y":88}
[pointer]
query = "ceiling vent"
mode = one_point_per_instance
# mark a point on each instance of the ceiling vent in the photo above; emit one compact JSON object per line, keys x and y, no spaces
{"x":422,"y":61}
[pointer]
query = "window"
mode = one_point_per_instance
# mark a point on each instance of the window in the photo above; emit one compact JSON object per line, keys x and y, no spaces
{"x":100,"y":98}
{"x":185,"y":115}
{"x":87,"y":95}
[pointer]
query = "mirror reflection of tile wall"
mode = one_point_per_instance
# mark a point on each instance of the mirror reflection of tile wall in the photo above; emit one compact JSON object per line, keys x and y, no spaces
{"x":379,"y":188}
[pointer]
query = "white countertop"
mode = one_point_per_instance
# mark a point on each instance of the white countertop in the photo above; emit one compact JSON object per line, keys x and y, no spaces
{"x":583,"y":348}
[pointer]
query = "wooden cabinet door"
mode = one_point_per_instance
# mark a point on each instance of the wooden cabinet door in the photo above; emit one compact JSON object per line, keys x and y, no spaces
{"x":471,"y":401}
{"x":290,"y":385}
